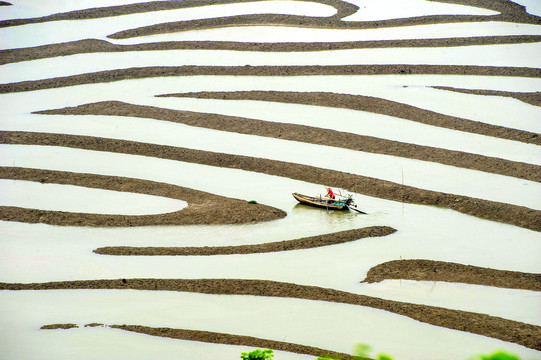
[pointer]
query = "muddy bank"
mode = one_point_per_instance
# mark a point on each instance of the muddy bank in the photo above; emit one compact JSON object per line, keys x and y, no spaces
{"x":311,"y":22}
{"x":319,"y":136}
{"x":230,"y":339}
{"x":378,"y":106}
{"x":94,"y":46}
{"x":429,"y":270}
{"x":203,"y":208}
{"x":218,"y":338}
{"x":58,"y":326}
{"x":343,"y":9}
{"x":508,"y":11}
{"x":287,"y":245}
{"x":313,"y":70}
{"x":532,"y":98}
{"x":502,"y":212}
{"x":482,"y":324}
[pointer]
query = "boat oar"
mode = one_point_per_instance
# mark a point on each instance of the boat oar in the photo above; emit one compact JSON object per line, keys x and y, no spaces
{"x":359,"y":211}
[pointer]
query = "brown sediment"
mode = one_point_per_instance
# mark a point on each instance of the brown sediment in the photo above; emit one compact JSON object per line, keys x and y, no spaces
{"x":94,"y":325}
{"x":58,"y":326}
{"x":230,"y":339}
{"x":491,"y":210}
{"x":219,"y":338}
{"x":343,"y":9}
{"x":94,"y":45}
{"x":203,"y":208}
{"x":508,"y":12}
{"x":430,"y":270}
{"x":327,"y":137}
{"x":507,"y":330}
{"x":532,"y":98}
{"x":379,"y":106}
{"x":287,"y":245}
{"x":311,"y":22}
{"x":301,"y":70}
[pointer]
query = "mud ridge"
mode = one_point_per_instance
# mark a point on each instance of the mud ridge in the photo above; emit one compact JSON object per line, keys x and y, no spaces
{"x":301,"y":70}
{"x":374,"y":105}
{"x":219,"y":338}
{"x":203,"y":208}
{"x":343,"y":9}
{"x":287,"y":245}
{"x":509,"y":12}
{"x":532,"y":98}
{"x":326,"y":137}
{"x":502,"y":212}
{"x":430,"y":270}
{"x":94,"y":46}
{"x":58,"y":326}
{"x":507,"y":330}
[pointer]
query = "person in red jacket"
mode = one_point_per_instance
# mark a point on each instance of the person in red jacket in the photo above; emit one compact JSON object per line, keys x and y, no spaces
{"x":330,"y":193}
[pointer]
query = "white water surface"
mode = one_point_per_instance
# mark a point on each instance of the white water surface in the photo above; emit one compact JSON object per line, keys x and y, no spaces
{"x":512,"y":55}
{"x":56,"y":197}
{"x":398,"y":9}
{"x":274,"y":34}
{"x":39,"y":252}
{"x":416,"y":173}
{"x":469,"y":244}
{"x":25,"y":9}
{"x":532,"y":6}
{"x":72,"y":30}
{"x":413,"y":89}
{"x":357,"y":122}
{"x":313,"y":323}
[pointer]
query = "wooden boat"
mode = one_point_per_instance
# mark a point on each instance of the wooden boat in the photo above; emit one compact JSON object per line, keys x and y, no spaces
{"x":339,"y":203}
{"x":323,"y":202}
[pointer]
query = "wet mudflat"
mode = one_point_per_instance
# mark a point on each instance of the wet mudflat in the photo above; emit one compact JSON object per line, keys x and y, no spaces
{"x":441,"y":149}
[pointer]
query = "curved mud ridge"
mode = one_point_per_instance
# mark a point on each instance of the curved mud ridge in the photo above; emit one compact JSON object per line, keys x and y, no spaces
{"x":508,"y":12}
{"x":301,"y":70}
{"x":327,"y":137}
{"x":217,"y":338}
{"x":502,"y":212}
{"x":507,"y":330}
{"x":374,"y":105}
{"x":343,"y":9}
{"x":532,"y":98}
{"x":203,"y":208}
{"x":287,"y":245}
{"x":430,"y":270}
{"x":89,"y":46}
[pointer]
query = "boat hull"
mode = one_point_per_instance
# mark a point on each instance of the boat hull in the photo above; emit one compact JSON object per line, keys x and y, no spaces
{"x":321,"y":202}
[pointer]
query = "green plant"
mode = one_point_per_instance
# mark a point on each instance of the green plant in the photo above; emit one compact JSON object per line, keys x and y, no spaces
{"x":498,"y":355}
{"x":252,"y":202}
{"x":257,"y":354}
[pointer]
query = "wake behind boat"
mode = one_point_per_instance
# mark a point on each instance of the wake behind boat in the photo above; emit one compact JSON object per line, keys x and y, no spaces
{"x":330,"y":201}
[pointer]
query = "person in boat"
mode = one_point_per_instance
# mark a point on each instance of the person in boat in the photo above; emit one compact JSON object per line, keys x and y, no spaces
{"x":330,"y":193}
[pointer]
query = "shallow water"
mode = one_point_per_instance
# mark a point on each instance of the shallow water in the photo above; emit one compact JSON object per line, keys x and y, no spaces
{"x":501,"y":55}
{"x":319,"y":324}
{"x":72,"y":30}
{"x":56,"y":197}
{"x":39,"y":252}
{"x":297,"y":34}
{"x":414,"y":90}
{"x":397,"y":9}
{"x":420,"y":174}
